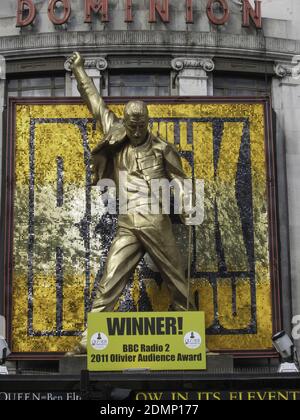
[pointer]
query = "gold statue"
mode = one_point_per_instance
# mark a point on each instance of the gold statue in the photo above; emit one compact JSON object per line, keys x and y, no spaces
{"x":129,"y":146}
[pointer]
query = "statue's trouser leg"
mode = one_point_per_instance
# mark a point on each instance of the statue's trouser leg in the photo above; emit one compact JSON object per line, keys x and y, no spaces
{"x":161,"y":246}
{"x":125,"y":253}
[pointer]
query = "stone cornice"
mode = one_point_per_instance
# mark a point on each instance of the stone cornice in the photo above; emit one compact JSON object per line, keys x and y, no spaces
{"x":2,"y":68}
{"x":142,"y":42}
{"x":288,"y":69}
{"x":98,"y":63}
{"x":182,"y":63}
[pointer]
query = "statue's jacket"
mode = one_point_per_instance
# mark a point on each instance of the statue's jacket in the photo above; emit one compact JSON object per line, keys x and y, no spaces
{"x":114,"y":155}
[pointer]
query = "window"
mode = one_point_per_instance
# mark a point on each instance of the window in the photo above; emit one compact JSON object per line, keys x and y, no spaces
{"x":240,"y":85}
{"x":37,"y":87}
{"x":137,"y":84}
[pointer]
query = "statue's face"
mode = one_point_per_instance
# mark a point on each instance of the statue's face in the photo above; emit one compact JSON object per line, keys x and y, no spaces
{"x":136,"y":126}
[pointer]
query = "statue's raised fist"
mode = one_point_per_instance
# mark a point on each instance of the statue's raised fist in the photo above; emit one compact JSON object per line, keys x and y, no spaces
{"x":75,"y":61}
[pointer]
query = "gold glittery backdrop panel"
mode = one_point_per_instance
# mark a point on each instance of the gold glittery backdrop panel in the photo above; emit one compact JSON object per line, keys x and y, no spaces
{"x":59,"y":248}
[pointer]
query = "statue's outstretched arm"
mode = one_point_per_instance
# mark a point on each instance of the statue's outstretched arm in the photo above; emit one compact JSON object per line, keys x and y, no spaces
{"x":90,"y":94}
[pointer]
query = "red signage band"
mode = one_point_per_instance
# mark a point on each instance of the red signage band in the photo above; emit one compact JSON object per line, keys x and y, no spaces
{"x":158,"y":11}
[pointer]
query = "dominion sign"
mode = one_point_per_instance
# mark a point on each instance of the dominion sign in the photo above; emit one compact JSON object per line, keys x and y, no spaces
{"x":57,"y":235}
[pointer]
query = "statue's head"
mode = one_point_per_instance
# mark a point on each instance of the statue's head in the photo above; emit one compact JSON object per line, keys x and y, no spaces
{"x":136,"y":120}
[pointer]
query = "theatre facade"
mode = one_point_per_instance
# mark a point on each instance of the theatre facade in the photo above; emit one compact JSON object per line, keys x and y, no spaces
{"x":222,"y":82}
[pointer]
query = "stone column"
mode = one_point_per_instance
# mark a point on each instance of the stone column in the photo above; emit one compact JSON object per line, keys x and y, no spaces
{"x":193,"y":76}
{"x":2,"y":327}
{"x":286,"y":103}
{"x":95,"y":68}
{"x":2,"y":104}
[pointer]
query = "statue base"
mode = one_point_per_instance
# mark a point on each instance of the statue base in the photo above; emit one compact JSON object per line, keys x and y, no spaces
{"x":73,"y":365}
{"x":219,"y":363}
